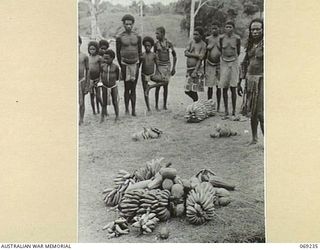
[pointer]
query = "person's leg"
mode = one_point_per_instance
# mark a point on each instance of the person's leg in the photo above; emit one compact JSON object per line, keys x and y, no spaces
{"x":234,"y":99}
{"x":81,"y":108}
{"x":157,"y":97}
{"x":225,"y":100}
{"x":92,"y":101}
{"x":97,"y":92}
{"x":104,"y":103}
{"x":254,"y":128}
{"x":145,"y":91}
{"x":127,"y":86}
{"x":261,"y":120}
{"x":218,"y":94}
{"x":133,"y":97}
{"x":210,"y":91}
{"x":114,"y":93}
{"x":165,"y":96}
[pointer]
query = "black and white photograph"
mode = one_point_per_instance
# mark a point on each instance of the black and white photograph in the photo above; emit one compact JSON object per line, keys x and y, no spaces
{"x":171,"y":121}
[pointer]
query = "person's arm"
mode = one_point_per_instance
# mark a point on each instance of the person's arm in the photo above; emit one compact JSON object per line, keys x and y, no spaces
{"x":174,"y":58}
{"x":118,"y":49}
{"x":139,"y":47}
{"x":86,"y":66}
{"x":117,"y":73}
{"x":238,"y":46}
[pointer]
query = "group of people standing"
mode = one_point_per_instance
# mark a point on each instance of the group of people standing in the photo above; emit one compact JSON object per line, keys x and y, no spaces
{"x":212,"y":62}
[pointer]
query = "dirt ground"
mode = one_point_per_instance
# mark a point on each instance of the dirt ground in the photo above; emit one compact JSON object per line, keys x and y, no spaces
{"x":105,"y":148}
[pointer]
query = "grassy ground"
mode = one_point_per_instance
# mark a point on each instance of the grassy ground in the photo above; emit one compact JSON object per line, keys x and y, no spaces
{"x":105,"y":148}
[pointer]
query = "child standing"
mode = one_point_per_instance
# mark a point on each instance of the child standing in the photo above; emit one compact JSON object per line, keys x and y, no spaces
{"x":94,"y":73}
{"x":83,"y":80}
{"x":109,"y":76}
{"x":195,"y":53}
{"x":148,"y":64}
{"x":162,"y":49}
{"x":103,"y":46}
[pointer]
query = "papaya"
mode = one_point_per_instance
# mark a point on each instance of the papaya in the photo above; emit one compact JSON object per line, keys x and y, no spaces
{"x":169,"y":173}
{"x":180,"y":208}
{"x":221,"y":192}
{"x":186,"y":183}
{"x":167,"y":184}
{"x":164,"y":232}
{"x":177,"y":191}
{"x":224,"y":201}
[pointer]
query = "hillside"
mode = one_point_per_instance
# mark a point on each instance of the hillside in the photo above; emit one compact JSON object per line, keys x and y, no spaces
{"x":110,"y":24}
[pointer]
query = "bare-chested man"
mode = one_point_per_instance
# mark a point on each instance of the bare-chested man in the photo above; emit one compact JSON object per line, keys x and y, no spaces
{"x":83,"y":79}
{"x":129,"y":50}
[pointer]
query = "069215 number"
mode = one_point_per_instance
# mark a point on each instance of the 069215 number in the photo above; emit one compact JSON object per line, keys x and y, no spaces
{"x":306,"y":246}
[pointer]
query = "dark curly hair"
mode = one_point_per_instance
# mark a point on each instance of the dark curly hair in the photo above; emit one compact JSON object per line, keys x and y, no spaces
{"x":95,"y":44}
{"x":103,"y":43}
{"x":127,"y":17}
{"x":148,"y":39}
{"x":250,"y":38}
{"x":110,"y":52}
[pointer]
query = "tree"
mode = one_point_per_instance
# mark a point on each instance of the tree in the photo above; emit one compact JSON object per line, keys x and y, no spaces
{"x":95,"y":8}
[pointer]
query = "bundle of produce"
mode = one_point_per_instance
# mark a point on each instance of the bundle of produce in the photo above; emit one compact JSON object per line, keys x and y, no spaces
{"x":147,"y":133}
{"x":222,"y":197}
{"x":200,"y":203}
{"x":122,"y":181}
{"x":152,"y":167}
{"x":145,"y":222}
{"x":140,"y":201}
{"x":224,"y":131}
{"x":209,"y":176}
{"x":196,"y":112}
{"x":210,"y":106}
{"x":117,"y":228}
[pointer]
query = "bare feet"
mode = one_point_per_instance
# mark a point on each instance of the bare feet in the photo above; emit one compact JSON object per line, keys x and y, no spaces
{"x":127,"y":112}
{"x":134,"y":113}
{"x":253,"y":142}
{"x":165,"y":108}
{"x":102,"y":120}
{"x":80,"y":122}
{"x":116,"y":119}
{"x":157,"y":108}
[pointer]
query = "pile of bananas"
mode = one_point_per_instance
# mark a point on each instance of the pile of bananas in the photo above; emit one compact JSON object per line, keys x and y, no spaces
{"x":147,"y":133}
{"x":146,"y":222}
{"x":210,"y":106}
{"x":113,"y":195}
{"x":140,"y":201}
{"x":117,"y":228}
{"x":196,"y":112}
{"x":200,"y":203}
{"x":152,"y":167}
{"x":224,"y":131}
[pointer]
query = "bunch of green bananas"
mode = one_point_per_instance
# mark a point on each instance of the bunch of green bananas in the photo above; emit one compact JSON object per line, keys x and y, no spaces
{"x":121,"y":181}
{"x":200,"y":203}
{"x":152,"y":167}
{"x":147,"y":133}
{"x":140,"y":201}
{"x":145,"y":222}
{"x":117,"y":228}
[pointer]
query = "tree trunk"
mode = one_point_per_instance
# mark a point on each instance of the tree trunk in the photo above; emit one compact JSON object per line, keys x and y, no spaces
{"x":93,"y":13}
{"x":192,"y":19}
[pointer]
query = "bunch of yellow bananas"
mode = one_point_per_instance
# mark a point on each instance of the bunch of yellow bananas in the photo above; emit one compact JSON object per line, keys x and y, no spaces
{"x":146,"y":222}
{"x":121,"y":181}
{"x":140,"y":201}
{"x":117,"y":228}
{"x":152,"y":167}
{"x":200,"y":203}
{"x":147,"y":133}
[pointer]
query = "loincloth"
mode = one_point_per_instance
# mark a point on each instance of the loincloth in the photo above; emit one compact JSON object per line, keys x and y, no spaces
{"x":130,"y":71}
{"x":254,"y":95}
{"x":196,"y":83}
{"x":212,"y":74}
{"x":93,"y":85}
{"x":229,"y":73}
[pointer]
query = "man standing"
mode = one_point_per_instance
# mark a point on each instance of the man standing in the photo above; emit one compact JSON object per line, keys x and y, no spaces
{"x":229,"y":66}
{"x":252,"y":71}
{"x":129,"y":50}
